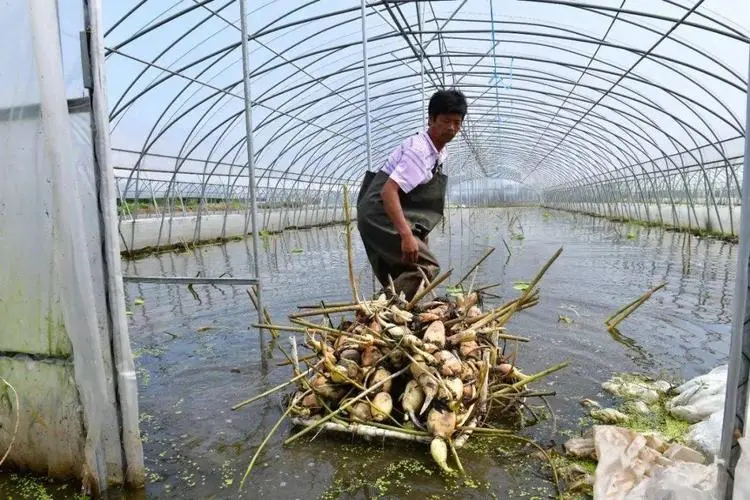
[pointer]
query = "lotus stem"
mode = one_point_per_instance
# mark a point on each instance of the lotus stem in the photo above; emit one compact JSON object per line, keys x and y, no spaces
{"x":527,"y":305}
{"x":541,"y":273}
{"x":486,"y":430}
{"x":426,"y":281}
{"x":413,"y":432}
{"x":508,"y":249}
{"x":284,"y":328}
{"x":327,"y":310}
{"x":271,"y":390}
{"x":537,"y":394}
{"x":330,"y":304}
{"x":427,"y":289}
{"x":345,"y":406}
{"x":455,"y":457}
{"x":487,"y":287}
{"x":531,"y":378}
{"x":391,"y":285}
{"x":466,"y":432}
{"x":484,"y":381}
{"x":479,"y":262}
{"x":350,"y":336}
{"x":313,"y":326}
{"x":626,"y":311}
{"x":546,"y":455}
{"x":263,"y":444}
{"x":295,"y":356}
{"x":368,"y":429}
{"x":349,"y":252}
{"x":303,"y":358}
{"x":254,"y":299}
{"x":503,"y":336}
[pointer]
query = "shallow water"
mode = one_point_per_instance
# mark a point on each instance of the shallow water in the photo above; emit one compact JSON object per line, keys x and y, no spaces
{"x":197,"y":356}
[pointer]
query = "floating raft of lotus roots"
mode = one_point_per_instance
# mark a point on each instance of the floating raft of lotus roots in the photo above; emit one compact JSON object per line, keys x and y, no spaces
{"x":432,"y":370}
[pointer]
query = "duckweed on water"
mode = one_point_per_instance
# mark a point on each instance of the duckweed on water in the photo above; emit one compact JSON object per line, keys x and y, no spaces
{"x":23,"y":487}
{"x":227,"y":474}
{"x":659,"y":421}
{"x":143,"y":375}
{"x":397,"y":478}
{"x":155,"y":352}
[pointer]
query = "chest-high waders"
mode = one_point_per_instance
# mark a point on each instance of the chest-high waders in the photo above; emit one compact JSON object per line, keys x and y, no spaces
{"x":423,"y":209}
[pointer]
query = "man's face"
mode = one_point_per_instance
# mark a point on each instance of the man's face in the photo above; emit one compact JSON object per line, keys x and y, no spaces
{"x":445,"y":127}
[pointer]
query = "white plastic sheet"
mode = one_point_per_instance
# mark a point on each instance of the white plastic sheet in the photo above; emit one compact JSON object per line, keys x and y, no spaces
{"x":53,"y":285}
{"x":701,"y":396}
{"x":633,"y":467}
{"x":742,"y":471}
{"x":680,"y":481}
{"x":705,"y":436}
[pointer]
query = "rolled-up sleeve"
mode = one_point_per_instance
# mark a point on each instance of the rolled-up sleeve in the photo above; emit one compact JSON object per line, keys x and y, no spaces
{"x":408,"y":171}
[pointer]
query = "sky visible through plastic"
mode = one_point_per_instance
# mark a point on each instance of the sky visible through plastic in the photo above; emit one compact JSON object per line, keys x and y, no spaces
{"x":586,"y":91}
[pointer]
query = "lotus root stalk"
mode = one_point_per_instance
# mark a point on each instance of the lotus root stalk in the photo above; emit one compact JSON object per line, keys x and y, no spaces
{"x":381,"y":407}
{"x":434,"y":337}
{"x":439,"y":452}
{"x":411,"y":399}
{"x":441,"y":423}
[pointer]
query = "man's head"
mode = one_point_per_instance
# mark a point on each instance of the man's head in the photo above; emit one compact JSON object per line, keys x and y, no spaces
{"x":446,"y":113}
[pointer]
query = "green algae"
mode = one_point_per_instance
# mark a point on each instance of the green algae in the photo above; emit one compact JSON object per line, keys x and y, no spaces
{"x":29,"y":487}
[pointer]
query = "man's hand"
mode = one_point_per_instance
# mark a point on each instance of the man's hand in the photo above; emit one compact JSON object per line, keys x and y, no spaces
{"x":409,"y":248}
{"x":392,"y":206}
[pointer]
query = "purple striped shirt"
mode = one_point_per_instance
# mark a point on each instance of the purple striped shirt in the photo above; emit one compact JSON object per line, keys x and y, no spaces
{"x":411,"y":163}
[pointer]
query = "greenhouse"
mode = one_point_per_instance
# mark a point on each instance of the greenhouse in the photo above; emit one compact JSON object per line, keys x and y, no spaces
{"x":186,"y":223}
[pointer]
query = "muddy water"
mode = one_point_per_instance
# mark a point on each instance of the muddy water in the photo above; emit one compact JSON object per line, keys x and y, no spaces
{"x":196,"y":356}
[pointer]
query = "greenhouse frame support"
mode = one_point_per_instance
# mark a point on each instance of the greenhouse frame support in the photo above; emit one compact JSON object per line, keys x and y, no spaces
{"x":127,"y":389}
{"x":735,"y":404}
{"x":251,"y":159}
{"x":365,"y":69}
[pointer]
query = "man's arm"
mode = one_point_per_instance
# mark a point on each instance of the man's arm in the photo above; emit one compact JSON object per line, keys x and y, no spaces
{"x":392,"y":206}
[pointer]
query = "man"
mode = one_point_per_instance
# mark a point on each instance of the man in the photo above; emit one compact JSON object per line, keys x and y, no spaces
{"x":398,"y":206}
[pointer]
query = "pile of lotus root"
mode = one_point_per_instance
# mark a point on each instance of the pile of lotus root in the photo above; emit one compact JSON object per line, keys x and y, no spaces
{"x":434,"y":372}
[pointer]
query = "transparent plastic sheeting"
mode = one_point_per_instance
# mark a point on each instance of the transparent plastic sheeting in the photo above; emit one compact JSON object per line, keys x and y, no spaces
{"x":629,"y":106}
{"x":52,"y":280}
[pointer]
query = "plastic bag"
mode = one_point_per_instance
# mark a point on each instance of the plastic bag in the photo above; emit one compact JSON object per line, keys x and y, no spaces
{"x":624,"y":461}
{"x":700,"y":407}
{"x":706,"y":436}
{"x":742,"y":481}
{"x":634,"y":467}
{"x":580,"y":448}
{"x":644,"y":390}
{"x":679,"y":481}
{"x":701,"y":396}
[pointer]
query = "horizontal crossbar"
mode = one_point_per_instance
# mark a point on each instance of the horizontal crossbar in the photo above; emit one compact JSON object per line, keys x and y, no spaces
{"x":182,"y":280}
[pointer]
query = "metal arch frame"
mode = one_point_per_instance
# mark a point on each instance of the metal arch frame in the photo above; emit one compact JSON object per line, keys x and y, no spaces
{"x":623,"y":75}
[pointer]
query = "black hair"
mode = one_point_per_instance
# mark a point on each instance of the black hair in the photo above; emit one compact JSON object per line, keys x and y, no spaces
{"x":445,"y":102}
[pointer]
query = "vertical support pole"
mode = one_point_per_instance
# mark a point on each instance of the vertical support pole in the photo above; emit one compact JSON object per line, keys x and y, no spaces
{"x":367,"y":83}
{"x":124,"y":367}
{"x":735,"y":404}
{"x":420,"y":23}
{"x":251,"y":160}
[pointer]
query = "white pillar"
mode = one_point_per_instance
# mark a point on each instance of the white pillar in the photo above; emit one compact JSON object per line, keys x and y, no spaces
{"x":250,"y":158}
{"x":735,"y":405}
{"x":367,"y":84}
